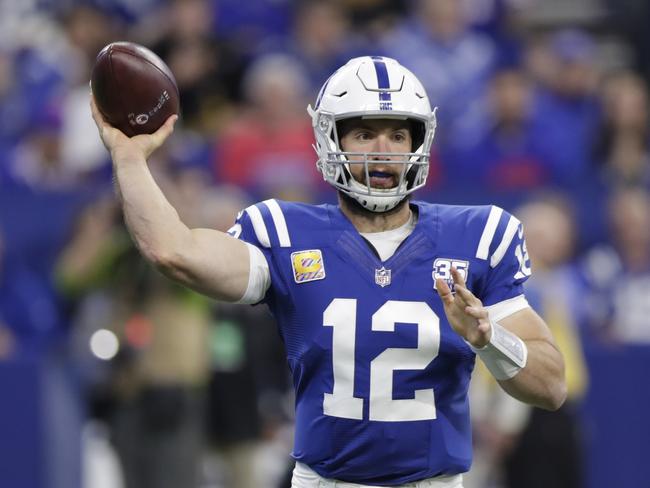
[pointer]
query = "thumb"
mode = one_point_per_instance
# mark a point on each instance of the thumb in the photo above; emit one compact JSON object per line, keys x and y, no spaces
{"x":159,"y":137}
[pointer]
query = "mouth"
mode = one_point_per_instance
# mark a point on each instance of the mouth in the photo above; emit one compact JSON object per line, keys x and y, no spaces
{"x":382,"y":180}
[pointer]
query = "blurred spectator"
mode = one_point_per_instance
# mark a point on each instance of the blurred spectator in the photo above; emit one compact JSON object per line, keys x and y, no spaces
{"x":502,"y":153}
{"x":453,"y":62}
{"x":620,"y":152}
{"x":321,"y":40}
{"x":493,"y":16}
{"x":249,"y":24}
{"x":505,"y":22}
{"x":629,"y":19}
{"x":549,"y":449}
{"x":374,"y":17}
{"x":87,"y":31}
{"x":207,"y":67}
{"x":29,"y":84}
{"x":623,"y":147}
{"x":618,"y":273}
{"x":267,"y":147}
{"x":566,"y":112}
{"x":131,"y":11}
{"x":36,"y":161}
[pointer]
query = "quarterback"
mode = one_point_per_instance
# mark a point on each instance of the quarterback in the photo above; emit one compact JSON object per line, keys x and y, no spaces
{"x":383,"y":302}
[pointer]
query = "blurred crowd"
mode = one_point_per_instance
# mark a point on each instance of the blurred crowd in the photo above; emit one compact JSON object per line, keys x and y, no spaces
{"x":543,"y":109}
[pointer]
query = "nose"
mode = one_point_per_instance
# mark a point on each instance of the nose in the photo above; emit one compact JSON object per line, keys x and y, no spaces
{"x":382,"y":145}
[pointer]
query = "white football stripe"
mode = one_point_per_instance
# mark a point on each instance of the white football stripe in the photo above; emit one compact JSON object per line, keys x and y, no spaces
{"x":280,"y":223}
{"x":488,"y":233}
{"x":258,"y":225}
{"x":508,"y":235}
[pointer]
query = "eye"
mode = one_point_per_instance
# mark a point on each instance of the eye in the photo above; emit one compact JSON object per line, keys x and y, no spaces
{"x":399,"y":136}
{"x":363,"y":136}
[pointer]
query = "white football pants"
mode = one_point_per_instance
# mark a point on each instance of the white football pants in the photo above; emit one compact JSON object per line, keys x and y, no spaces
{"x":305,"y":477}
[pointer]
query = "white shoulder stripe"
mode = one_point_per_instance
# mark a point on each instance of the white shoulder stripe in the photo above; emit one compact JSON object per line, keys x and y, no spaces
{"x":258,"y":225}
{"x":511,"y":230}
{"x":279,"y":221}
{"x":488,"y":233}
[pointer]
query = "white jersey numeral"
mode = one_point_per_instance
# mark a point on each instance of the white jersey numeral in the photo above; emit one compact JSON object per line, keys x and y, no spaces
{"x":522,"y":256}
{"x":341,"y":315}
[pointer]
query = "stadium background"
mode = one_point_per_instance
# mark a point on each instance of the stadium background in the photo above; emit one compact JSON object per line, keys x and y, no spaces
{"x":111,"y":375}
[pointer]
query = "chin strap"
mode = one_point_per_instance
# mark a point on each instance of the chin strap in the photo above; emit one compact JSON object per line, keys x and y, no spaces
{"x":374,"y":203}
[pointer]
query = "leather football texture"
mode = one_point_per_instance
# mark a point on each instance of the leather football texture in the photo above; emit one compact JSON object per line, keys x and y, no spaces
{"x":133,"y":88}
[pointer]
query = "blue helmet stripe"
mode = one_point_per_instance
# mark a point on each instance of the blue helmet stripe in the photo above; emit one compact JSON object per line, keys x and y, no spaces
{"x":382,"y":73}
{"x":383,"y":83}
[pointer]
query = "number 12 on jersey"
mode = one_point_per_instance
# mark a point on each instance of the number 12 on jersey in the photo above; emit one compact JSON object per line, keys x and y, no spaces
{"x":341,"y":315}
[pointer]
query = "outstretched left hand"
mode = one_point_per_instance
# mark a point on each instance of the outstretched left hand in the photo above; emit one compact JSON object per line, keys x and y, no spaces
{"x":466,"y":313}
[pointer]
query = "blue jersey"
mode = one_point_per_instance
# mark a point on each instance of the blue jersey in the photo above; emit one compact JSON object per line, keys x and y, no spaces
{"x":380,"y":377}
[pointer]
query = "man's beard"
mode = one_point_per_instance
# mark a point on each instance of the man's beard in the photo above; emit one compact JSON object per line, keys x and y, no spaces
{"x":356,"y":208}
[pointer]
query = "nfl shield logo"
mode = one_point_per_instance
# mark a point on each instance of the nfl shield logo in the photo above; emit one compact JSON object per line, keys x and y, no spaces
{"x":382,"y":277}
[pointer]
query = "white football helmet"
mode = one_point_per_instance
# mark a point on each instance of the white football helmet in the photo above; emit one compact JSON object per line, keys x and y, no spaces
{"x":373,"y":87}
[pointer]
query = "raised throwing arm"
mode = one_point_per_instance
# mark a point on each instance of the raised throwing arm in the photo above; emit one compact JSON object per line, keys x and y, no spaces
{"x":206,"y":260}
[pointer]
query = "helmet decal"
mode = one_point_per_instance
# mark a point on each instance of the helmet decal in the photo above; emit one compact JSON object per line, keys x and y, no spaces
{"x":383,"y":83}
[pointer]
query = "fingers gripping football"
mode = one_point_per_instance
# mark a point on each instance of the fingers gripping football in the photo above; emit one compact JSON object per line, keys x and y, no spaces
{"x":141,"y":145}
{"x":465,"y":312}
{"x":108,"y":133}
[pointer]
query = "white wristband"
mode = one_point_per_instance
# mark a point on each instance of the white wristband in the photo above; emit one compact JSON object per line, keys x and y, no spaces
{"x":505,"y":355}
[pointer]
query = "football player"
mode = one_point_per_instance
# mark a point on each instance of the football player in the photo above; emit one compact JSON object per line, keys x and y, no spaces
{"x":383,"y":302}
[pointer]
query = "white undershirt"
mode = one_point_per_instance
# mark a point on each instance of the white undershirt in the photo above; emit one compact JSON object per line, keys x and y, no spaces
{"x":387,"y":242}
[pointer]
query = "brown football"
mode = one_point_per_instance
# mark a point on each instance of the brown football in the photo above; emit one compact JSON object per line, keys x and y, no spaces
{"x":134,"y":89}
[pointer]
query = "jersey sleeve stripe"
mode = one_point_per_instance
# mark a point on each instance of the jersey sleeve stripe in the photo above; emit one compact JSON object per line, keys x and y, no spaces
{"x":507,"y":307}
{"x":259,"y":276}
{"x":279,"y":222}
{"x":488,"y":233}
{"x":508,"y":235}
{"x":259,"y":226}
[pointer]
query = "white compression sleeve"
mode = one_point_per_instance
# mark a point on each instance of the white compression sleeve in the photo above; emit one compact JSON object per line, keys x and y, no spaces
{"x":259,"y":276}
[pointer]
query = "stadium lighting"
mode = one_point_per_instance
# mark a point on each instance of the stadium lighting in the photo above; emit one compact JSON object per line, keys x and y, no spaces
{"x":104,"y":344}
